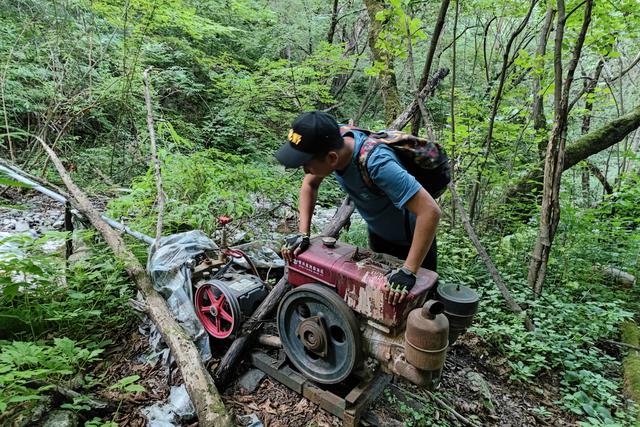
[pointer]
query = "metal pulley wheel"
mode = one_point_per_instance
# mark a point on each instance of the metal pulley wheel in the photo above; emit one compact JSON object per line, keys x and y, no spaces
{"x":319,"y":333}
{"x":217,"y":309}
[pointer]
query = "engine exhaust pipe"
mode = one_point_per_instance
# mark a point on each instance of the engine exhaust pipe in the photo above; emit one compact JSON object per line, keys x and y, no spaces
{"x":419,"y":355}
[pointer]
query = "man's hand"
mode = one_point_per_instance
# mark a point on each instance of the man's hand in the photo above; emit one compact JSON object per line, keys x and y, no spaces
{"x":399,"y":283}
{"x":294,"y":245}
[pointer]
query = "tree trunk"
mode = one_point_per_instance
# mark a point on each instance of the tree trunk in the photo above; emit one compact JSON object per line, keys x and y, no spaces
{"x":401,"y":121}
{"x":388,"y":85}
{"x":200,"y":386}
{"x":340,"y":219}
{"x":635,"y":146}
{"x":589,"y":88}
{"x":453,"y":110}
{"x":537,"y":109}
{"x":426,"y":71}
{"x":334,"y":22}
{"x":554,"y":162}
{"x":591,"y":167}
{"x":154,"y":157}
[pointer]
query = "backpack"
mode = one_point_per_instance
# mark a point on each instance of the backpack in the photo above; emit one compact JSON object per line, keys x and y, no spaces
{"x":425,"y":160}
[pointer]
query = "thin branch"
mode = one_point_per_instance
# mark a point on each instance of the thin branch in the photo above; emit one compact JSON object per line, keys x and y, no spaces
{"x":154,"y":157}
{"x":623,"y":344}
{"x":482,"y":252}
{"x":578,"y":6}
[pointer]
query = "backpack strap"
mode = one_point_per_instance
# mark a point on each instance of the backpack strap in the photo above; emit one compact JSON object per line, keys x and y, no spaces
{"x":367,"y":147}
{"x":363,"y":155}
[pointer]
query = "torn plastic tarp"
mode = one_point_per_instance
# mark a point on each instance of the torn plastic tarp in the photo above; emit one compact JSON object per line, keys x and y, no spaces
{"x":172,"y":279}
{"x":262,"y":254}
{"x":174,"y":412}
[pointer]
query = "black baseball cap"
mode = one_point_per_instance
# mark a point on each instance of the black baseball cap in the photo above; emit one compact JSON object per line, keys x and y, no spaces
{"x":311,"y":134}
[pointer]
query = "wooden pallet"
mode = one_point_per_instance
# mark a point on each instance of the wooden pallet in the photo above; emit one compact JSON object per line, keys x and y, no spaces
{"x":346,"y":401}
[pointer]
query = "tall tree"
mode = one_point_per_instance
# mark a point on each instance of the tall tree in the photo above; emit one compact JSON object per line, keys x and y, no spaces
{"x":506,"y":56}
{"x":554,"y":161}
{"x":537,"y":109}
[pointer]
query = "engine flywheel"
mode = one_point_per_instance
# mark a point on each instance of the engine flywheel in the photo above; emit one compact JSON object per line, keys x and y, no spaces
{"x":217,"y":309}
{"x":319,"y":333}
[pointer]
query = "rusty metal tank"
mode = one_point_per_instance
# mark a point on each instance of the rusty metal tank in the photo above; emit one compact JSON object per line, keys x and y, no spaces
{"x":460,"y":306}
{"x":427,"y":336}
{"x":359,"y":276}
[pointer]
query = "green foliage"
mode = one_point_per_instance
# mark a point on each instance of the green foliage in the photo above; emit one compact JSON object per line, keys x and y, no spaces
{"x":203,"y":186}
{"x":64,"y":317}
{"x":128,"y":385}
{"x":38,"y":295}
{"x":25,"y":364}
{"x":414,"y":417}
{"x":572,"y":319}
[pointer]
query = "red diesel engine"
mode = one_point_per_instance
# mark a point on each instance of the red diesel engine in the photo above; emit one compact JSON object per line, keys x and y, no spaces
{"x":336,"y":316}
{"x":337,"y":313}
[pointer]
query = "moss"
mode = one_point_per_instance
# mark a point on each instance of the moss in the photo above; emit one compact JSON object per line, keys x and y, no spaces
{"x":631,"y":335}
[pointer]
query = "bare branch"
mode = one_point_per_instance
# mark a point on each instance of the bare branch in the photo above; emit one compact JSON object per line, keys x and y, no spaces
{"x":154,"y":157}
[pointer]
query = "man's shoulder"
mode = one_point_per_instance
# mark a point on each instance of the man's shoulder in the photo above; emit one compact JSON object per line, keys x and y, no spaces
{"x":381,"y":154}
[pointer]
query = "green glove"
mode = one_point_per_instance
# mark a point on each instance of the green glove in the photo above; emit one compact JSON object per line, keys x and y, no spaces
{"x":401,"y":280}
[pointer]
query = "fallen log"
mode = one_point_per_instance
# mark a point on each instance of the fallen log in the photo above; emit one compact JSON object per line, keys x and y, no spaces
{"x":250,"y":327}
{"x":340,"y":219}
{"x":615,"y":275}
{"x":199,"y":384}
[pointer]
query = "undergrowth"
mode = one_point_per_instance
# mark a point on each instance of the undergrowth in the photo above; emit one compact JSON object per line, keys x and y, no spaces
{"x":56,"y":319}
{"x":204,"y":185}
{"x":579,"y":311}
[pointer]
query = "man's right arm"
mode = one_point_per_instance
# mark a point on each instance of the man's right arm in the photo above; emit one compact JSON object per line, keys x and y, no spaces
{"x":308,"y":197}
{"x":307,"y":203}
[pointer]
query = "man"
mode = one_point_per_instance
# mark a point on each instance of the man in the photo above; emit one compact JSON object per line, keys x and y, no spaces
{"x":402,"y":218}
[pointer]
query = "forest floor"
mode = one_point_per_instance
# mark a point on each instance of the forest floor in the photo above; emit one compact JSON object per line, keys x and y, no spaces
{"x":475,"y":383}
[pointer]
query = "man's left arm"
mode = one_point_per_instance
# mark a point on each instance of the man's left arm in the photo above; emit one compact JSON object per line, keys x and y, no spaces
{"x":427,"y":214}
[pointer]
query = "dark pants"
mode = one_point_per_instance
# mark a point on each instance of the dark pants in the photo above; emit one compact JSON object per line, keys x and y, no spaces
{"x":378,"y":244}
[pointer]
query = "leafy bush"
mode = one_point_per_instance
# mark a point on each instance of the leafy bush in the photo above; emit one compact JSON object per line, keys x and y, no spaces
{"x":27,"y":369}
{"x":202,"y":186}
{"x":575,"y":314}
{"x":64,"y":314}
{"x":38,"y":294}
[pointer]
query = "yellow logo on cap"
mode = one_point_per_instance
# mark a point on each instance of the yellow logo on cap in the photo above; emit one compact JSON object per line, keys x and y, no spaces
{"x":295,"y":138}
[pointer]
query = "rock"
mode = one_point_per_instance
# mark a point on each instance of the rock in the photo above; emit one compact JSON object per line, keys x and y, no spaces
{"x":250,"y":420}
{"x":61,"y":418}
{"x":21,"y":226}
{"x":479,"y":384}
{"x":33,"y":415}
{"x":250,"y":380}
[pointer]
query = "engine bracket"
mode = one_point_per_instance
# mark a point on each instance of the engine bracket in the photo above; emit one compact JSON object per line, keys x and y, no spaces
{"x":345,"y":402}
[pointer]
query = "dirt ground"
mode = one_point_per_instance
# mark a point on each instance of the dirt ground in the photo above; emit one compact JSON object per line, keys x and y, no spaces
{"x":475,"y":385}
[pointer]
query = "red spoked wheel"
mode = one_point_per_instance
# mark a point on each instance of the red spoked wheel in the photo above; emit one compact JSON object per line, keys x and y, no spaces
{"x":217,"y":309}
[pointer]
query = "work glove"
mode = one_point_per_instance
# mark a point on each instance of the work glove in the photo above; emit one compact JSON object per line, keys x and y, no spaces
{"x":399,"y":283}
{"x":294,"y":244}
